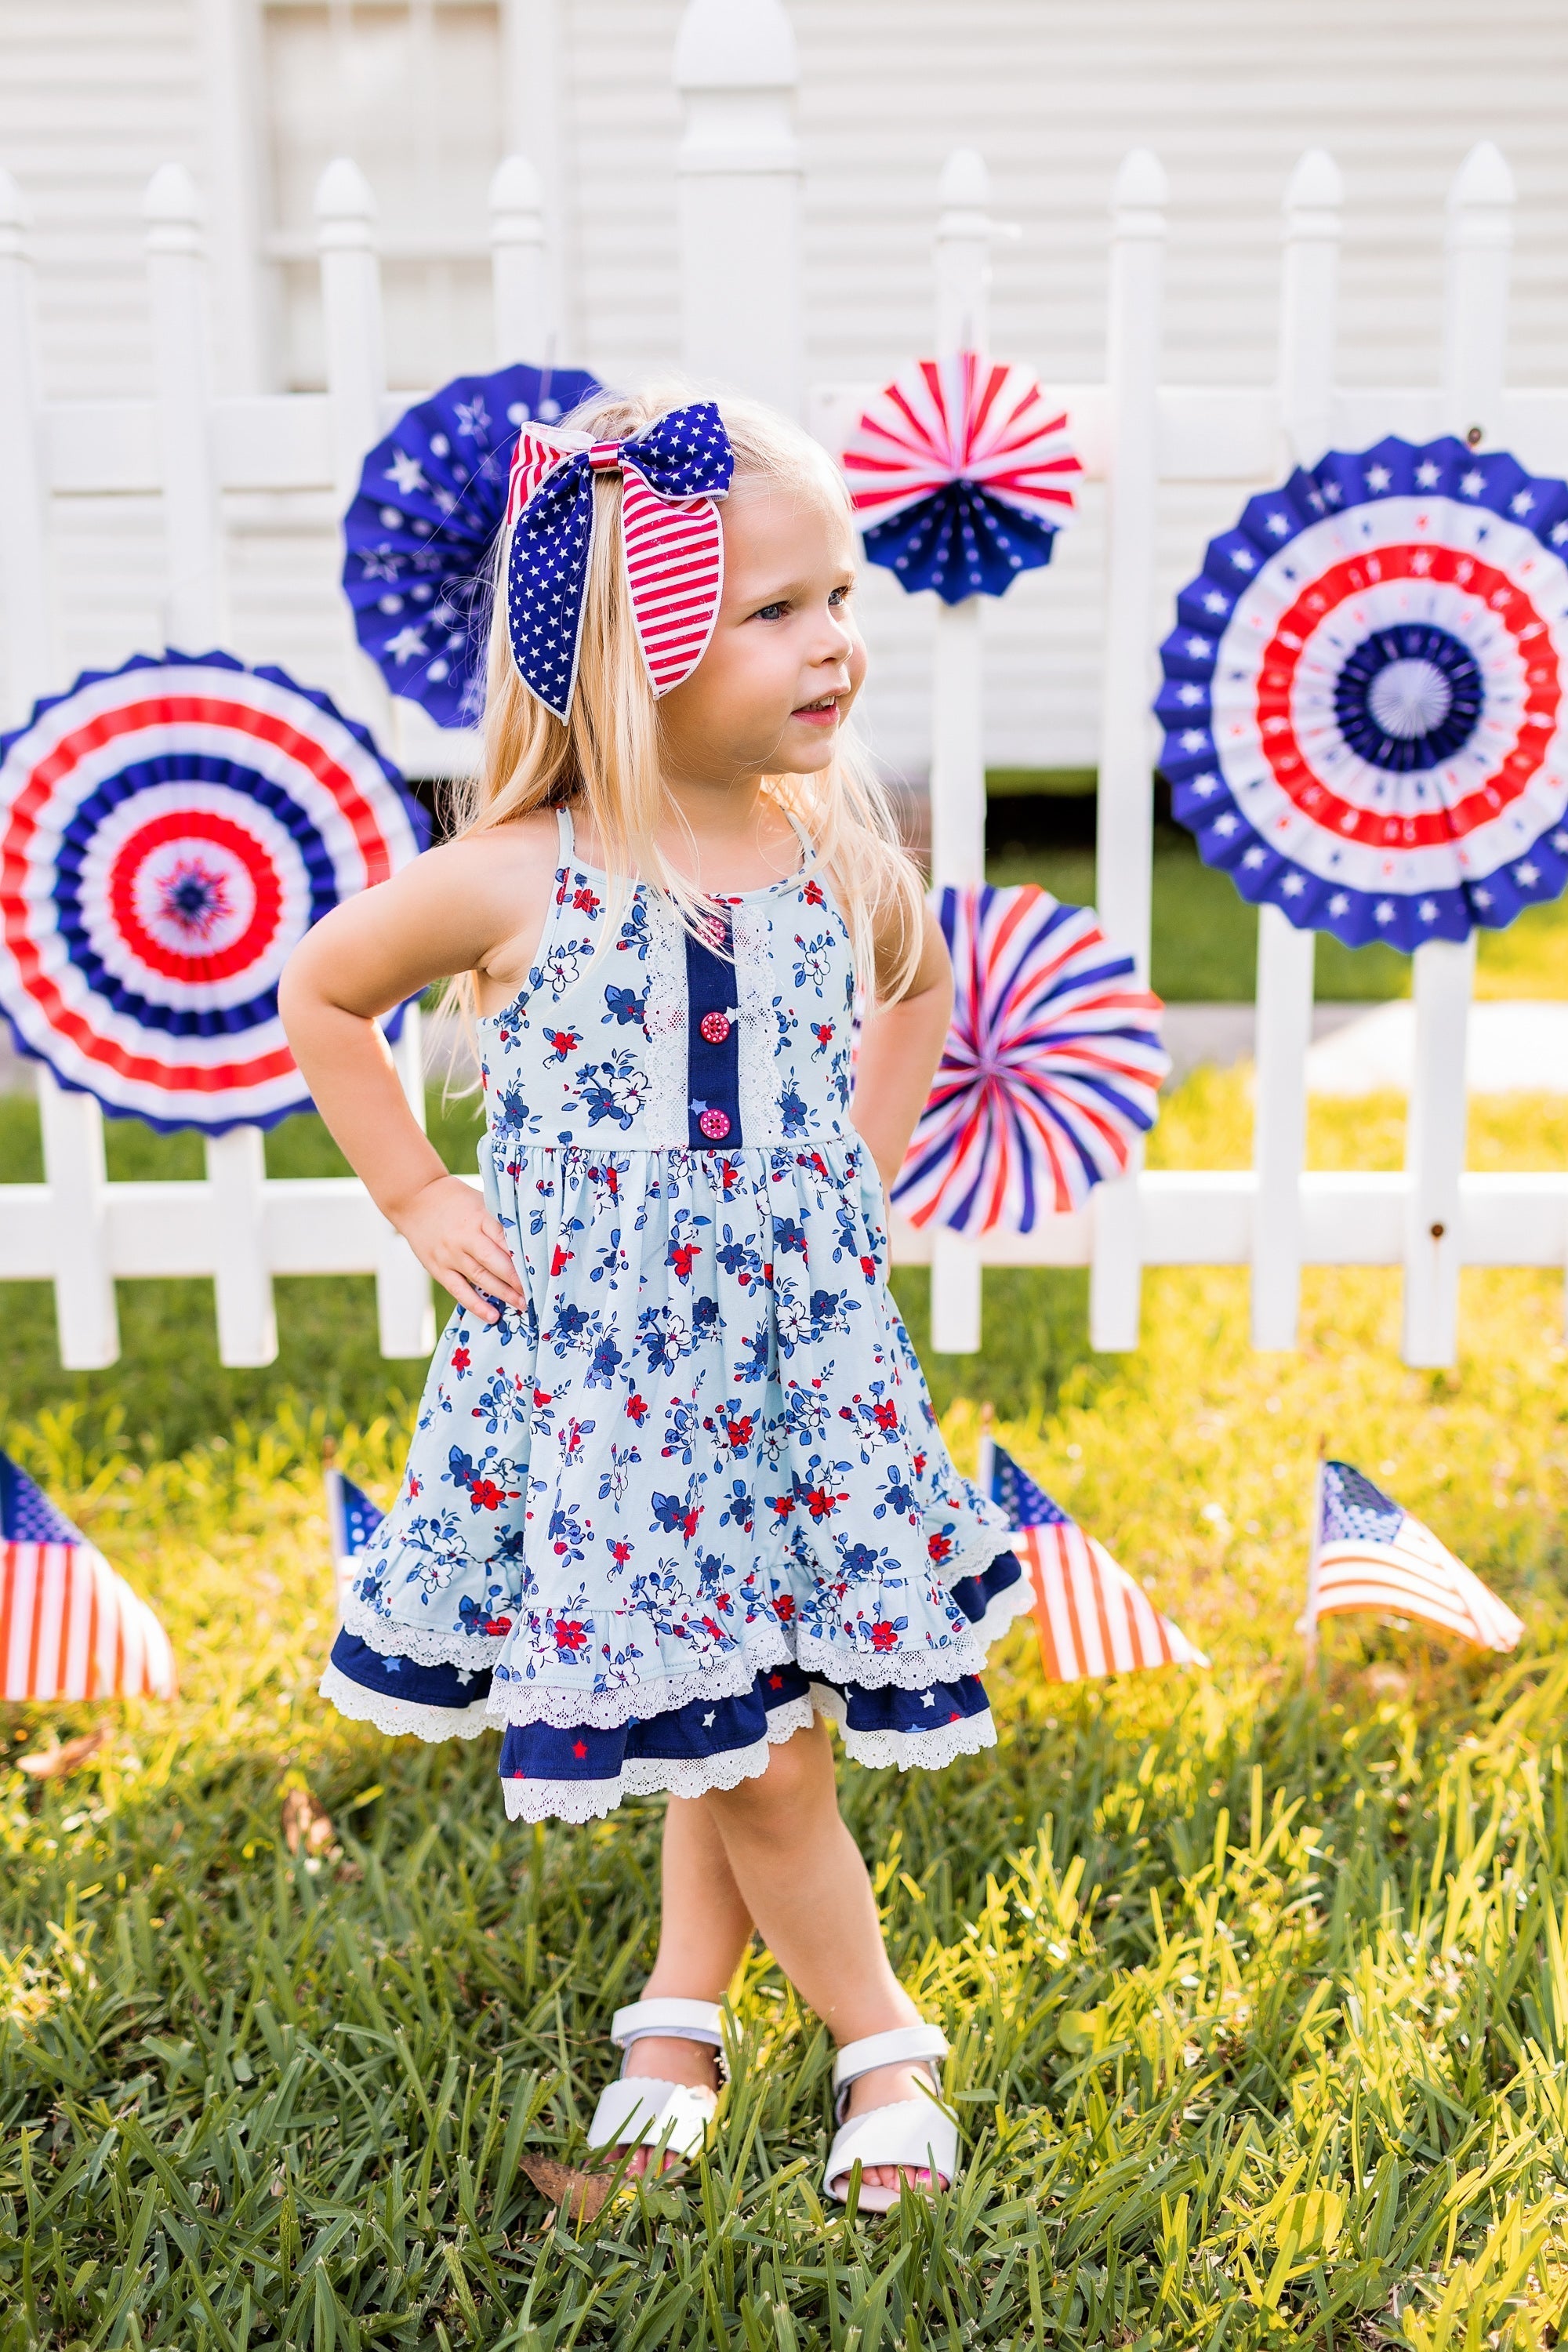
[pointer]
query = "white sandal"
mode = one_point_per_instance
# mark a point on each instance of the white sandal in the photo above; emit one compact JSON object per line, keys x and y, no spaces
{"x":917,"y":2133}
{"x":643,"y":2112}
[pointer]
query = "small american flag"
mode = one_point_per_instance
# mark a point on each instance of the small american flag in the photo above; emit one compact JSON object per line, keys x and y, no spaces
{"x":1092,"y":1618}
{"x":1368,"y":1553}
{"x":351,"y":1519}
{"x":70,"y":1627}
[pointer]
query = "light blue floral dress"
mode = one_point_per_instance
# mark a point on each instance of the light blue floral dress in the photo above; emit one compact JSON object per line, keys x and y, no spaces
{"x":694,"y":1489}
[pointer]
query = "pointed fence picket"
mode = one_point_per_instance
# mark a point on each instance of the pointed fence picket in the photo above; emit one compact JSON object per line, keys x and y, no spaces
{"x":740,"y":177}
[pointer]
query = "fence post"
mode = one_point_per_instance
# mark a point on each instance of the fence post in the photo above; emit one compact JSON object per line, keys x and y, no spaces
{"x":193,"y":605}
{"x":29,"y":663}
{"x":86,"y":1321}
{"x":356,"y":375}
{"x":1124,"y":827}
{"x":356,"y":385}
{"x":519,"y":278}
{"x":739,"y":197}
{"x":1285,"y":955}
{"x":1475,"y":331}
{"x":963,"y":258}
{"x":181,"y":376}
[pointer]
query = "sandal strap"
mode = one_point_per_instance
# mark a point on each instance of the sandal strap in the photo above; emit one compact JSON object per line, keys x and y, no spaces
{"x":682,"y":2021}
{"x":912,"y":2133}
{"x":905,"y":2045}
{"x":642,"y":2112}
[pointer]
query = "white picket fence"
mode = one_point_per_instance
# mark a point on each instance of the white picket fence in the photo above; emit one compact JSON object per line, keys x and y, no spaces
{"x":741,"y":312}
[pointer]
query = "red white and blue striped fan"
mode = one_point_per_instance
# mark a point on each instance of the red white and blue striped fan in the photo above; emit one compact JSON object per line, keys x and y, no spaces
{"x":961,"y":475}
{"x":421,"y":533}
{"x":1052,"y":1066}
{"x":1363,"y":697}
{"x":70,"y":1627}
{"x":168,"y":833}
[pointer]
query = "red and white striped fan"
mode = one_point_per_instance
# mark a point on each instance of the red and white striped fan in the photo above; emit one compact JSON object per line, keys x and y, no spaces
{"x":961,"y":474}
{"x":1052,"y":1066}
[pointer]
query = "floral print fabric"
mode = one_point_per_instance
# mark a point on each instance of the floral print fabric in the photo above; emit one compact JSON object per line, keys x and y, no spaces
{"x":703,"y":1447}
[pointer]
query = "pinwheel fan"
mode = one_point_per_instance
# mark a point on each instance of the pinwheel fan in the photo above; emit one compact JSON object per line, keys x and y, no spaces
{"x":1052,"y":1066}
{"x":961,"y":475}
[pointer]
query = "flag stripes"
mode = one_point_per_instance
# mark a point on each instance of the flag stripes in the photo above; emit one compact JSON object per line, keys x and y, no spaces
{"x":71,"y":1629}
{"x":675,"y":566}
{"x":1370,"y":1554}
{"x":1402,"y":1584}
{"x":1092,"y":1618}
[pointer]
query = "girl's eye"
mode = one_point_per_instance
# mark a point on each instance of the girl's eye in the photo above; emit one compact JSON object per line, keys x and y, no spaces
{"x":840,"y":595}
{"x":770,"y":612}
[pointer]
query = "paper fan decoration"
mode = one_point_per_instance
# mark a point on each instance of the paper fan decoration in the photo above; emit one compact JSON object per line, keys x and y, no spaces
{"x":168,"y":832}
{"x":421,"y":532}
{"x":1363,"y":695}
{"x":71,"y":1628}
{"x":1052,"y":1066}
{"x":961,"y":475}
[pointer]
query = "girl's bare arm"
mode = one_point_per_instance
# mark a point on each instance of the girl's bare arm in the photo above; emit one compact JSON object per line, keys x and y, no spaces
{"x":901,"y":1046}
{"x":478,"y":906}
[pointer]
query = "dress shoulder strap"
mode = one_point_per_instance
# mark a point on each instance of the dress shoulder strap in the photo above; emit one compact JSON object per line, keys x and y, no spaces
{"x":564,"y":834}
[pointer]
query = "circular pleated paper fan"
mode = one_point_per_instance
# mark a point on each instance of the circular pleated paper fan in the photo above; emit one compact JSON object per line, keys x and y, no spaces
{"x":1051,"y":1070}
{"x":961,"y":474}
{"x":421,"y":533}
{"x":1363,"y":701}
{"x":168,"y":833}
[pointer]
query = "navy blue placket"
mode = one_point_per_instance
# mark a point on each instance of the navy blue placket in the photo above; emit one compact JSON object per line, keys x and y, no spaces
{"x":713,"y":1043}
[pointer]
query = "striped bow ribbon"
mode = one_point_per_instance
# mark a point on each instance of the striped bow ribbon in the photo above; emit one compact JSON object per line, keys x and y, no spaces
{"x":671,"y":474}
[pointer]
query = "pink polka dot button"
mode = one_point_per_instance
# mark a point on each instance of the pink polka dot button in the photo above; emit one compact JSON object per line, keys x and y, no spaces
{"x":715,"y":1125}
{"x":715,"y":1027}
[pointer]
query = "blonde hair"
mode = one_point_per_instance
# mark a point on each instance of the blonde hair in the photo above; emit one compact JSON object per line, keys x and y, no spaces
{"x":605,"y":756}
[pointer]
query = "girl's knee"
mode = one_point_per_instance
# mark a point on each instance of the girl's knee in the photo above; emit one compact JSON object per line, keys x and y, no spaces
{"x":799,"y":1779}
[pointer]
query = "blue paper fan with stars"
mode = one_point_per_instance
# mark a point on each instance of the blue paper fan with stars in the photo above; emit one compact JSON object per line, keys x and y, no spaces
{"x":1363,"y":697}
{"x":421,"y":533}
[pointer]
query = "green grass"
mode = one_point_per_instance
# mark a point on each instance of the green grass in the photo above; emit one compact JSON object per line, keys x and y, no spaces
{"x":1204,"y":942}
{"x":1257,"y":1989}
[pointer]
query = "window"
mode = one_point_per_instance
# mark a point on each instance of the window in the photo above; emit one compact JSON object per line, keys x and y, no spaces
{"x":412,"y":90}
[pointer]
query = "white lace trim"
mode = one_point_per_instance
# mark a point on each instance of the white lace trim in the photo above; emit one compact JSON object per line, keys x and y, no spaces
{"x":569,"y":1709}
{"x":426,"y":1644}
{"x":978,"y":1554}
{"x":665,"y":1123}
{"x":907,"y":1669}
{"x":402,"y":1716}
{"x":751,"y":938}
{"x":1016,"y":1601}
{"x":921,"y":1752}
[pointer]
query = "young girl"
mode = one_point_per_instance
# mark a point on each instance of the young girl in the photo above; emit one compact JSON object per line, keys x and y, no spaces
{"x":677,"y":1498}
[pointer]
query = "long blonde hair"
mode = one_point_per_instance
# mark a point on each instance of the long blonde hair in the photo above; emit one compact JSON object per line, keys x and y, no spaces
{"x":605,"y":757}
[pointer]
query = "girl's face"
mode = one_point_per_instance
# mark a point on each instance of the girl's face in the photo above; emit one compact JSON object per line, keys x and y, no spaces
{"x":786,"y":658}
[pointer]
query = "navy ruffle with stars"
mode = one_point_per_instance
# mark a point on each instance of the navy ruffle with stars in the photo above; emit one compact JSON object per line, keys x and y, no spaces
{"x":581,"y":1771}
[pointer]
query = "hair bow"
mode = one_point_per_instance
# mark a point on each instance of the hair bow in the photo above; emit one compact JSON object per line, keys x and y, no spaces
{"x":671,"y":474}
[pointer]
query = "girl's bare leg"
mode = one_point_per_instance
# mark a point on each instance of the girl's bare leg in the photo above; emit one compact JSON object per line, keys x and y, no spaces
{"x":799,"y":1875}
{"x":704,"y":1929}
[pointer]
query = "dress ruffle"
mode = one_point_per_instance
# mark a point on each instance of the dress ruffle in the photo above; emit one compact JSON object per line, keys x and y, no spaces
{"x":713,"y":1738}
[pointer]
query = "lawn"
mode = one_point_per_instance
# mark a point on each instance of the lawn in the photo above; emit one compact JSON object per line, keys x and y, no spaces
{"x":1205,"y":937}
{"x":1257,"y":1986}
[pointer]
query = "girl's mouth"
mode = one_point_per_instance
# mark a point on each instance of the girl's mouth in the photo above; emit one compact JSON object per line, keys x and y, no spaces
{"x":822,"y":713}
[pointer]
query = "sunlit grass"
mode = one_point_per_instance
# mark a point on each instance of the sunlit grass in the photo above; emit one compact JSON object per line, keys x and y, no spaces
{"x":1256,"y":1988}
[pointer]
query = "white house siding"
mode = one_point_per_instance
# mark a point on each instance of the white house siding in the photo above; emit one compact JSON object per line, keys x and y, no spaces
{"x":95,"y":93}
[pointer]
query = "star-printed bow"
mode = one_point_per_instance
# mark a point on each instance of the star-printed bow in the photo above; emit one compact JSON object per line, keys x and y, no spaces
{"x":671,"y":476}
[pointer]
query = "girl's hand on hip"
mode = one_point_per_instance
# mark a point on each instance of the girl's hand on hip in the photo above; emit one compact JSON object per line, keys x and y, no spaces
{"x":455,"y":1237}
